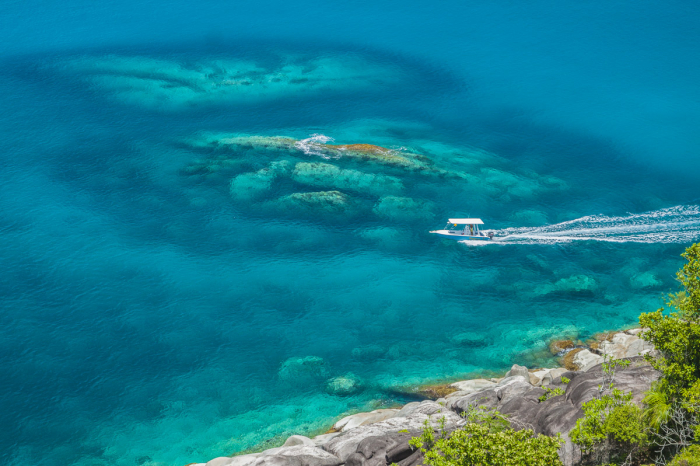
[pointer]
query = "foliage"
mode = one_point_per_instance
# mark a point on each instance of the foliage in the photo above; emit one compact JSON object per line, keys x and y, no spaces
{"x":673,"y":402}
{"x":678,"y":341}
{"x":565,"y":380}
{"x":658,"y":407}
{"x":610,"y":417}
{"x":495,"y":421}
{"x":676,"y":335}
{"x":550,"y":393}
{"x":487,"y":440}
{"x":612,"y":426}
{"x":677,"y":432}
{"x":690,"y":456}
{"x":688,"y":300}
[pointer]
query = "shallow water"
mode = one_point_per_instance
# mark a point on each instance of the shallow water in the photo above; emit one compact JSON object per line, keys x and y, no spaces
{"x":198,"y":260}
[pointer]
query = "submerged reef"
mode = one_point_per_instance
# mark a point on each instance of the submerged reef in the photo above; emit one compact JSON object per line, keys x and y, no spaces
{"x":405,"y":161}
{"x":325,"y":174}
{"x":400,"y":184}
{"x":173,"y":84}
{"x":333,"y":202}
{"x":397,"y":208}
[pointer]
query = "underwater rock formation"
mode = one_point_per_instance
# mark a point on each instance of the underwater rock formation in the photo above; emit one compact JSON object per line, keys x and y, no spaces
{"x":315,"y":146}
{"x":403,"y":208}
{"x":251,"y":185}
{"x":309,"y":367}
{"x":469,"y":339}
{"x":575,"y":284}
{"x":390,"y":178}
{"x":326,"y":175}
{"x":333,"y":202}
{"x":344,"y":385}
{"x":174,"y":84}
{"x":645,"y":281}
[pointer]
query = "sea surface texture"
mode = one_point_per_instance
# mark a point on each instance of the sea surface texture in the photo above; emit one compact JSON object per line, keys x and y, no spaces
{"x":214,"y":216}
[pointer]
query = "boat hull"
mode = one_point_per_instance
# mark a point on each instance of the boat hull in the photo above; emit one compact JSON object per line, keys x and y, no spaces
{"x":460,"y":236}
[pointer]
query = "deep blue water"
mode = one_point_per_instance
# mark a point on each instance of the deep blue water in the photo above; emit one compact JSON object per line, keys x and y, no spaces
{"x":171,"y":292}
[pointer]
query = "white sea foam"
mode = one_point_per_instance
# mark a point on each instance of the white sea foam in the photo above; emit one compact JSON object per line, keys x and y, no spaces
{"x":311,"y":145}
{"x":680,"y":224}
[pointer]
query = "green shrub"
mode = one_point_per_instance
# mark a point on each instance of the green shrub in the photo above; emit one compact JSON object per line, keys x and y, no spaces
{"x":612,"y":418}
{"x":475,"y":444}
{"x":550,"y":393}
{"x":690,"y":456}
{"x":487,"y":440}
{"x":676,"y":335}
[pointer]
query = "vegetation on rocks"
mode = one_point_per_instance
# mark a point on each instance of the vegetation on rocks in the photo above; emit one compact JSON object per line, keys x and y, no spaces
{"x":487,"y":440}
{"x":664,"y":430}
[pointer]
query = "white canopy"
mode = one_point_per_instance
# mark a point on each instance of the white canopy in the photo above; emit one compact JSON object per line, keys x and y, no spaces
{"x":466,"y":221}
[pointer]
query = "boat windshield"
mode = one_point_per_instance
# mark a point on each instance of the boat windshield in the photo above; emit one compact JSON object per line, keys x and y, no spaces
{"x":472,"y":229}
{"x":455,"y":226}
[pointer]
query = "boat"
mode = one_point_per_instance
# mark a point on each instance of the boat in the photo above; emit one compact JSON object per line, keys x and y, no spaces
{"x":464,"y":229}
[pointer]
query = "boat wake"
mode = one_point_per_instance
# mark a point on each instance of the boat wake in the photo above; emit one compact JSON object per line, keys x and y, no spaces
{"x":680,"y":224}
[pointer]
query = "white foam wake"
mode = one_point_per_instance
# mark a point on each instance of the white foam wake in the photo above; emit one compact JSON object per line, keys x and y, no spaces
{"x":680,"y":224}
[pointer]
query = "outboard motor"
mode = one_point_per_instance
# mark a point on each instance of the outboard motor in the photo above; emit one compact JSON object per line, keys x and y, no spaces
{"x":490,"y":235}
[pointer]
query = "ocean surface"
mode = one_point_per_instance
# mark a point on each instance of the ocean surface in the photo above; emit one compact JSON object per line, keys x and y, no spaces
{"x":214,"y":216}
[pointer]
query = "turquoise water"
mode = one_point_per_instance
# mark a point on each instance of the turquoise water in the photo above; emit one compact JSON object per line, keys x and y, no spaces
{"x":198,"y":260}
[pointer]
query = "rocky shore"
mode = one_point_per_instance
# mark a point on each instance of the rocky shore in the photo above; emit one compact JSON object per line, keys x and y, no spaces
{"x":380,"y":437}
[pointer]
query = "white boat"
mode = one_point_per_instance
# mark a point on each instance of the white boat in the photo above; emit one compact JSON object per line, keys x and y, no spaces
{"x":464,"y":229}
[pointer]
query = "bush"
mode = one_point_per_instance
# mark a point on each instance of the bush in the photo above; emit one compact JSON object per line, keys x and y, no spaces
{"x":676,"y":335}
{"x":674,"y":400}
{"x":487,"y":440}
{"x":690,"y":456}
{"x":477,"y":444}
{"x":611,"y":429}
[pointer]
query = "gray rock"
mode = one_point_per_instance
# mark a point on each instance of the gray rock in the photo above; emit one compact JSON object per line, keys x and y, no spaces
{"x":549,"y":377}
{"x":473,"y":385}
{"x":491,"y":397}
{"x":518,"y":370}
{"x":242,"y":460}
{"x":220,"y":461}
{"x":636,"y":378}
{"x":360,"y":419}
{"x":300,"y":455}
{"x":347,"y":443}
{"x":408,"y":409}
{"x":295,"y":440}
{"x":585,"y":360}
{"x":324,"y":438}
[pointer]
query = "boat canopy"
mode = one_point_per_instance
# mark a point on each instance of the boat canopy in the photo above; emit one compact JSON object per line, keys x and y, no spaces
{"x":466,"y":221}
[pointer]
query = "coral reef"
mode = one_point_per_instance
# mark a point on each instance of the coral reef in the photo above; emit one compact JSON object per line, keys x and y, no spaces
{"x":333,"y":202}
{"x":252,"y":185}
{"x":403,"y":208}
{"x":294,"y":369}
{"x":575,"y":285}
{"x":469,"y":339}
{"x":326,"y":175}
{"x":344,"y":385}
{"x":391,"y":177}
{"x":174,"y":84}
{"x":315,"y":146}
